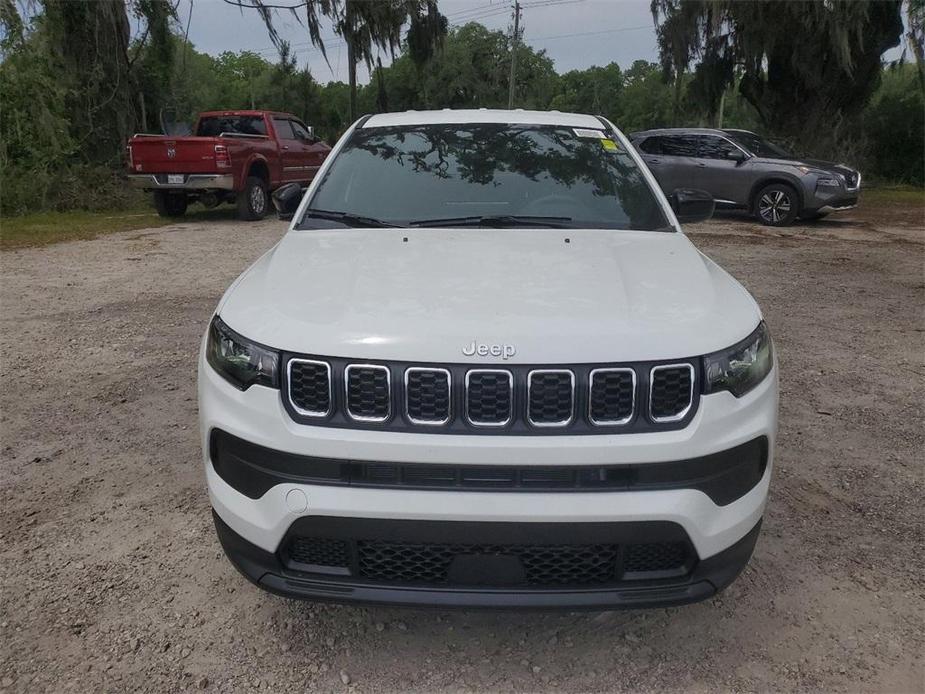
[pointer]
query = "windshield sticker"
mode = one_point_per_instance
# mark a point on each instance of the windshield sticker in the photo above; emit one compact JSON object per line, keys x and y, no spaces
{"x":584,"y":132}
{"x":609,"y":145}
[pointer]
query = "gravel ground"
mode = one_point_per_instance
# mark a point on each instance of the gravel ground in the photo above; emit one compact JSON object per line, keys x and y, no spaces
{"x":113,"y":580}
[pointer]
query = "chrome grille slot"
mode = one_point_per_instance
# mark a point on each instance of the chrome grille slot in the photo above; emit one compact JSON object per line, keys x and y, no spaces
{"x":428,"y":396}
{"x":671,"y":392}
{"x":489,"y":397}
{"x":550,"y":397}
{"x":368,"y":392}
{"x":612,"y":398}
{"x":310,"y":387}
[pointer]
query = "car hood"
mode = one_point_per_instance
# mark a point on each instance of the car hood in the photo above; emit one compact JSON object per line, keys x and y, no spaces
{"x":424,"y":294}
{"x":813,"y":163}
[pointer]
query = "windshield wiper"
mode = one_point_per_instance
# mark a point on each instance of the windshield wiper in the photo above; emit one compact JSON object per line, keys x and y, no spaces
{"x":348,"y":218}
{"x":496,"y":220}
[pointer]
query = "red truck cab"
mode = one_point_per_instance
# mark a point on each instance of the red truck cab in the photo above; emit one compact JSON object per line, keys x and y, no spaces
{"x":232,"y":156}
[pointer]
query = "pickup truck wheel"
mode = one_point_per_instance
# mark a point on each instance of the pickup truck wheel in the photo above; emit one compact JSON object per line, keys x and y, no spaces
{"x":170,"y":204}
{"x":253,"y":200}
{"x":777,"y":205}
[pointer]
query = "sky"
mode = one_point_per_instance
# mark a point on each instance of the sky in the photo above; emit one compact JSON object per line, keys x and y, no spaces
{"x":575,"y":33}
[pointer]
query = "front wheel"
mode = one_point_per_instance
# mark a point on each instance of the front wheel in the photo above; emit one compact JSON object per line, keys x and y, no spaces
{"x":170,"y":204}
{"x":252,"y":201}
{"x":777,"y":205}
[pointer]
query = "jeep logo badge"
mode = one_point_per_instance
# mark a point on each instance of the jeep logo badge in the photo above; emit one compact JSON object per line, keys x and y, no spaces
{"x":483,"y":350}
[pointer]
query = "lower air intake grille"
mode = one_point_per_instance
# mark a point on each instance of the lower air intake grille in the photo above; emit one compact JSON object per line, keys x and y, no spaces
{"x":654,"y":557}
{"x":671,"y":391}
{"x":368,"y":396}
{"x":319,"y":551}
{"x":536,"y":565}
{"x":549,"y":565}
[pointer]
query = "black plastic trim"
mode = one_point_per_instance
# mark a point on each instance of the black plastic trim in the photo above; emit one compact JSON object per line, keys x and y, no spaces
{"x":723,"y":476}
{"x":708,"y":577}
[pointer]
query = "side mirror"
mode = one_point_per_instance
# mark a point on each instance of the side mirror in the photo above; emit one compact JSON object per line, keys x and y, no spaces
{"x":736,"y":155}
{"x":286,"y":200}
{"x":691,"y":205}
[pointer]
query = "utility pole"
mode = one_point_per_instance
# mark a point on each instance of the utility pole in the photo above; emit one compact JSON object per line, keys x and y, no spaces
{"x":516,"y":38}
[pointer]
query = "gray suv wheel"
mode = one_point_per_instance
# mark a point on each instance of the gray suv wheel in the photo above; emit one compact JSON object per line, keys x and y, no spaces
{"x":777,"y":205}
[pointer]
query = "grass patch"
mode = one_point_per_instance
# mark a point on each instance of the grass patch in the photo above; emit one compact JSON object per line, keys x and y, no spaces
{"x":43,"y":228}
{"x":894,"y":195}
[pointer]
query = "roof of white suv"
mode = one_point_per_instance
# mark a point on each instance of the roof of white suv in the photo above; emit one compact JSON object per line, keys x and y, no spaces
{"x":483,"y":115}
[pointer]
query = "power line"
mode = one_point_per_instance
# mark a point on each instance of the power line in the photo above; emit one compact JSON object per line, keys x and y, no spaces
{"x":587,"y":33}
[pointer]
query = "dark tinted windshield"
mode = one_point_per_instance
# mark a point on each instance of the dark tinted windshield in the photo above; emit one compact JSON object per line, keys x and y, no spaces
{"x":213,"y":126}
{"x":758,"y":145}
{"x":406,"y":175}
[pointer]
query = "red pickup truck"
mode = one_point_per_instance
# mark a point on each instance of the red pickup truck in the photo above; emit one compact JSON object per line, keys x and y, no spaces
{"x":232,"y":156}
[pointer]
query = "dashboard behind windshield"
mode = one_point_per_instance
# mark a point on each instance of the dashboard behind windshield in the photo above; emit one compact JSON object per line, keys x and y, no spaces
{"x":406,"y":175}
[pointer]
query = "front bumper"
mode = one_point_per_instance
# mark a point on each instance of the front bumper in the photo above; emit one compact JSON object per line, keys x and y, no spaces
{"x":705,"y":579}
{"x":190,"y":182}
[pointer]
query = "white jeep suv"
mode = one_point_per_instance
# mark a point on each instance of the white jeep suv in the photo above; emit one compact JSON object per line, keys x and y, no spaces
{"x":485,"y":368}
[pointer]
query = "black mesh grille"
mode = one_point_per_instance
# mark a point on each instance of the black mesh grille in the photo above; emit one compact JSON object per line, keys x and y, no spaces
{"x":428,"y":395}
{"x":310,"y":386}
{"x":611,"y":396}
{"x":514,"y":400}
{"x":543,"y":565}
{"x":552,"y":397}
{"x":319,"y":551}
{"x":368,"y":392}
{"x":671,"y":391}
{"x":655,"y":557}
{"x":501,"y":563}
{"x":488,"y":397}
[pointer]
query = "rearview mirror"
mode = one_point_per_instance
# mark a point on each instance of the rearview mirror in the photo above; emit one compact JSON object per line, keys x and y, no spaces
{"x":286,"y":200}
{"x":736,"y":155}
{"x":691,"y":205}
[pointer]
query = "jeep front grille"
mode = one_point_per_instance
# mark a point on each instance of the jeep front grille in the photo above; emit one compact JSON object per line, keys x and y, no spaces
{"x":310,"y":387}
{"x":368,"y":392}
{"x":670,"y":392}
{"x":550,"y":397}
{"x":517,"y":399}
{"x":613,"y":396}
{"x":427,"y":396}
{"x":489,"y":397}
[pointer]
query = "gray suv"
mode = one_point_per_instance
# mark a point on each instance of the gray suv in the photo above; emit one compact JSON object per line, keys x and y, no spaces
{"x":742,"y":170}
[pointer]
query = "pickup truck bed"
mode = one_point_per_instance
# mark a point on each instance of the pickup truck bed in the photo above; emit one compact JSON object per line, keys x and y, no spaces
{"x":236,"y":156}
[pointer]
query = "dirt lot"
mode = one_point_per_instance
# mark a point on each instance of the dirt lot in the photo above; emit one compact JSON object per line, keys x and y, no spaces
{"x":112,"y":579}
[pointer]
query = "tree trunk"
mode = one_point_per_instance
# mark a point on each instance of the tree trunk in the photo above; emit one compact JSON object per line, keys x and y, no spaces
{"x":352,"y":68}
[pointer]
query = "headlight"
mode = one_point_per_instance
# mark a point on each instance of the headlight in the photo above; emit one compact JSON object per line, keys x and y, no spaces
{"x":240,"y":361}
{"x":741,"y":367}
{"x":828,"y":182}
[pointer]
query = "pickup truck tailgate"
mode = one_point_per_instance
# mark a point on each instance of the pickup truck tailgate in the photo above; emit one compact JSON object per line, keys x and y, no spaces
{"x":166,"y":154}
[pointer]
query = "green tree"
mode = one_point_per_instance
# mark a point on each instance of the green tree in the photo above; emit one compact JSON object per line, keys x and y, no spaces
{"x":595,"y":90}
{"x":808,"y":68}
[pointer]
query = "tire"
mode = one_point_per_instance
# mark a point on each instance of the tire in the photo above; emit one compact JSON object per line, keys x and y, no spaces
{"x":253,"y":201}
{"x":777,"y":205}
{"x":170,"y":204}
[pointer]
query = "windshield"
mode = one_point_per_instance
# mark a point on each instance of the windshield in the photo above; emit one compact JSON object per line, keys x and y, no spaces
{"x":484,"y":175}
{"x":758,"y":145}
{"x":213,"y":126}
